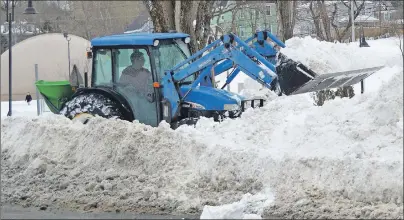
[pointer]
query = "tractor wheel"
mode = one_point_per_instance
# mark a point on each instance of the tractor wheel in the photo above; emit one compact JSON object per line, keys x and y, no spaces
{"x":84,"y":107}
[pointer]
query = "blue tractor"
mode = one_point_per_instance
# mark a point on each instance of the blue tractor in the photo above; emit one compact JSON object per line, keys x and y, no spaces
{"x":151,"y":77}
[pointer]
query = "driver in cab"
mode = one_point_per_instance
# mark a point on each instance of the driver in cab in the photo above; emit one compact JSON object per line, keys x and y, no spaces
{"x":137,"y":77}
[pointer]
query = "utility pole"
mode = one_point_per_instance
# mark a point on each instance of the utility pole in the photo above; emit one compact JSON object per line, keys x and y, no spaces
{"x":380,"y":18}
{"x":353,"y":21}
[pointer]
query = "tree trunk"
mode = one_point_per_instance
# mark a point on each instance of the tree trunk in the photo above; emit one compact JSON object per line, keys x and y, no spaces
{"x":286,"y":11}
{"x":325,"y":20}
{"x":316,"y":21}
{"x":179,"y":15}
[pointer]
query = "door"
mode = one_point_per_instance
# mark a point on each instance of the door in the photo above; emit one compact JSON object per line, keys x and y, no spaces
{"x":133,"y":78}
{"x":167,"y":55}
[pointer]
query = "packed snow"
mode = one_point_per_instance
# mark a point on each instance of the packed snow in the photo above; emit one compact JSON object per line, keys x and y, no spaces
{"x":288,"y":159}
{"x":326,"y":57}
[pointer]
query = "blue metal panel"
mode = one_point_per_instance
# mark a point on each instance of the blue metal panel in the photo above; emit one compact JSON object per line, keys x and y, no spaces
{"x":276,"y":40}
{"x":265,"y":49}
{"x":170,"y":93}
{"x":210,"y":98}
{"x":134,"y":39}
{"x":232,"y":76}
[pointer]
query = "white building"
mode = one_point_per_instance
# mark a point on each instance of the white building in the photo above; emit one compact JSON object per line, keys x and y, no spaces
{"x":50,"y":52}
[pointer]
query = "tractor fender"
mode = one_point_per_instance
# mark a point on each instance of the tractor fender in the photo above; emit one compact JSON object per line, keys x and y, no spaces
{"x":111,"y":94}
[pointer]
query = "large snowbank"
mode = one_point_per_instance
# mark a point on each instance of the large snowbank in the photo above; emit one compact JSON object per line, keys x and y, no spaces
{"x":287,"y":159}
{"x":327,"y":57}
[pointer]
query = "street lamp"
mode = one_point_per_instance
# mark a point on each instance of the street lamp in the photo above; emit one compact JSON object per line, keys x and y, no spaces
{"x":68,"y":48}
{"x":10,"y":19}
{"x":30,"y":10}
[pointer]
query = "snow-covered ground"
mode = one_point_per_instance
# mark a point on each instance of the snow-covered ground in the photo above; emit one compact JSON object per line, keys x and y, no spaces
{"x":287,"y":159}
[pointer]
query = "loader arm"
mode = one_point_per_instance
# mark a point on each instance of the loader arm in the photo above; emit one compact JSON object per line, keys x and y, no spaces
{"x":292,"y":77}
{"x":227,"y":48}
{"x":261,"y":46}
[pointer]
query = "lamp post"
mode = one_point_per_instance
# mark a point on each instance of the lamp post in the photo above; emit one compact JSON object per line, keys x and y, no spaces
{"x":10,"y":19}
{"x":68,"y":48}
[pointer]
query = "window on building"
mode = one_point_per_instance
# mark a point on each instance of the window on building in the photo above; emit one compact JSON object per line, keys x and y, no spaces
{"x":268,"y":10}
{"x":241,"y":30}
{"x":387,"y":16}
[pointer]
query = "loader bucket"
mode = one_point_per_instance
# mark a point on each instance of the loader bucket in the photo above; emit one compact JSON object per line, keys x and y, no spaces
{"x":295,"y":78}
{"x":55,"y":93}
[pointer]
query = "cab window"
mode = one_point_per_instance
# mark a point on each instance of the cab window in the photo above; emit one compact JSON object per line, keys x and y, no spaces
{"x":122,"y":59}
{"x":102,"y":74}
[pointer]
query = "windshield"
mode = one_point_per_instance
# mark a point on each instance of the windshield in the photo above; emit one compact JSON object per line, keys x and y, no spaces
{"x":168,"y":54}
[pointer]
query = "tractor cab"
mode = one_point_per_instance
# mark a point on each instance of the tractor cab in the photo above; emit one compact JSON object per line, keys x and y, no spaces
{"x":133,"y":66}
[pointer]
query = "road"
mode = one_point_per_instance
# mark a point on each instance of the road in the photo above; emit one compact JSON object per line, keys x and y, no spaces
{"x":19,"y":212}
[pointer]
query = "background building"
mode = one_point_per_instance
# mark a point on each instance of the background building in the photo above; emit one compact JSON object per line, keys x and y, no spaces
{"x":246,"y":18}
{"x":50,"y":52}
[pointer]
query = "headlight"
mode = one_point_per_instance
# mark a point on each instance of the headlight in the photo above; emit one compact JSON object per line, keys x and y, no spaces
{"x":196,"y":105}
{"x":187,"y":40}
{"x":156,"y":43}
{"x":231,"y":107}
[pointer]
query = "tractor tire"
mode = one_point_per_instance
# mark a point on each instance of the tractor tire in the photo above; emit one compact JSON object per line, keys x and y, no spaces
{"x":92,"y":104}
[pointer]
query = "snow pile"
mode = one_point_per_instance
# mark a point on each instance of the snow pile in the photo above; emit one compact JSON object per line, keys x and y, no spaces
{"x":326,"y":57}
{"x":343,"y":159}
{"x":289,"y":159}
{"x":236,"y":210}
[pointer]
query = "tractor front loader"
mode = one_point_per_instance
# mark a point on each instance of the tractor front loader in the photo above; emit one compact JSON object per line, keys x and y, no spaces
{"x":152,"y":77}
{"x":292,"y":77}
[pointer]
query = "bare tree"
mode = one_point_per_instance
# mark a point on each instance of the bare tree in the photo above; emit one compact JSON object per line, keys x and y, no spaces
{"x":321,"y":19}
{"x":396,"y":28}
{"x":166,"y":17}
{"x":345,"y":30}
{"x":286,"y":12}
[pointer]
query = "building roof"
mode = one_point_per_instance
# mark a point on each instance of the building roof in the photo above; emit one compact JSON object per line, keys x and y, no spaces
{"x":138,"y":22}
{"x":134,"y":39}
